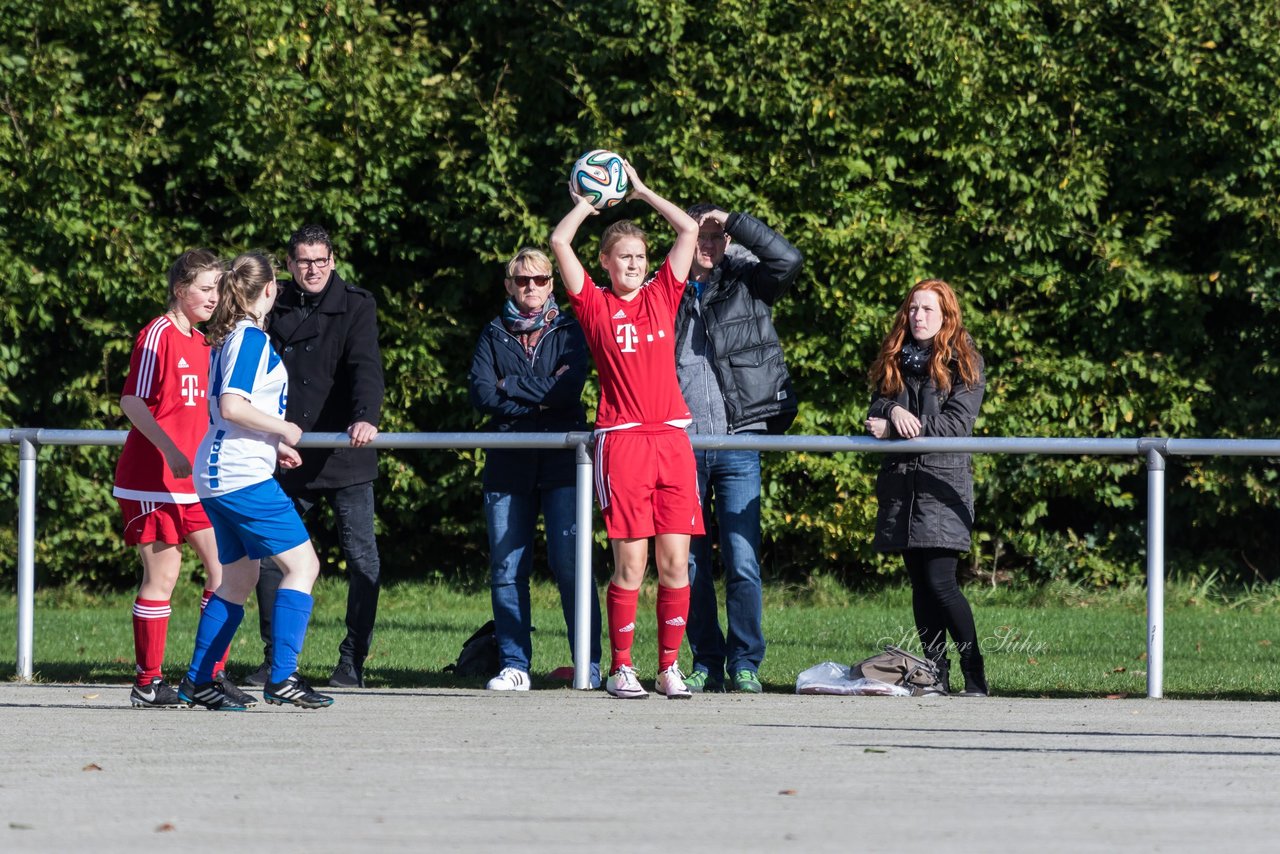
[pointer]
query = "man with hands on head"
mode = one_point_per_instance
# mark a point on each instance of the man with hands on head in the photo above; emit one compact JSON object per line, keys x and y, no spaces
{"x":733,"y":376}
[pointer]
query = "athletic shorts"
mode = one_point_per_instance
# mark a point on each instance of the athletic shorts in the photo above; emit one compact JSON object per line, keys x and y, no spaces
{"x":647,"y":482}
{"x":256,"y":522}
{"x":160,"y":521}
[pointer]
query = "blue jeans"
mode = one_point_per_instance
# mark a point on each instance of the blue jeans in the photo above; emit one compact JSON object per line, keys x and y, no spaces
{"x":511,"y":519}
{"x":729,"y":483}
{"x":353,"y":512}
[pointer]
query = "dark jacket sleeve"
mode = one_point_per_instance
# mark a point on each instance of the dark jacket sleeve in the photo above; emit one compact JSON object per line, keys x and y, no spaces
{"x":560,"y":390}
{"x":482,"y":384}
{"x":881,"y":406}
{"x":959,"y":411}
{"x":363,"y":360}
{"x":780,"y":262}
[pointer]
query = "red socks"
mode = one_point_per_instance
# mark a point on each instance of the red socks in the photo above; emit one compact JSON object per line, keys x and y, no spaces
{"x":673,"y":610}
{"x":150,"y":628}
{"x":226,"y":653}
{"x":621,"y":606}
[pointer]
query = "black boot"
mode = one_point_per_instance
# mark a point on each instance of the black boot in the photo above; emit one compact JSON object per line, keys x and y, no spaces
{"x":944,"y":675}
{"x":975,"y":676}
{"x":943,"y":666}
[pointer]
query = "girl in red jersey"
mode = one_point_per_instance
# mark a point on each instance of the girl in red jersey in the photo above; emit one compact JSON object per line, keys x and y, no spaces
{"x":646,"y":478}
{"x":164,"y":400}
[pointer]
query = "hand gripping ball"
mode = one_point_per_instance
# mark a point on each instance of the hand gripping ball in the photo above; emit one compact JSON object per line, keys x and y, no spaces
{"x":598,"y":175}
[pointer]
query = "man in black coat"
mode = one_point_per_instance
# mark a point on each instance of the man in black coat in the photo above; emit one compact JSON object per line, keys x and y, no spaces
{"x":734,"y":379}
{"x":326,"y":332}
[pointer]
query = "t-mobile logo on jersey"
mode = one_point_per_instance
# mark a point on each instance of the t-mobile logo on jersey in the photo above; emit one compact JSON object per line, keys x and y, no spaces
{"x":627,"y":337}
{"x":190,"y":388}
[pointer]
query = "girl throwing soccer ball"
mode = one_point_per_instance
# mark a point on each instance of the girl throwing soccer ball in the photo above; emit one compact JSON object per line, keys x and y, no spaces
{"x":252,"y":517}
{"x":646,"y":478}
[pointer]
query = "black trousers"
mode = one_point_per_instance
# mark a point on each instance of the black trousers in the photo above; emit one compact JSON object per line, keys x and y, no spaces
{"x":940,"y":607}
{"x":353,"y":509}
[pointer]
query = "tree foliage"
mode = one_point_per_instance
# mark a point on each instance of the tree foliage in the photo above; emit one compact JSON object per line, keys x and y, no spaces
{"x":1097,"y":178}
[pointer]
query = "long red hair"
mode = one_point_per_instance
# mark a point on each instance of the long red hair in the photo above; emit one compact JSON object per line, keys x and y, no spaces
{"x":951,"y":344}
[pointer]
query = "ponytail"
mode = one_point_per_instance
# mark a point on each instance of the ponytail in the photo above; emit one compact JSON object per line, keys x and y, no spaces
{"x":238,"y":290}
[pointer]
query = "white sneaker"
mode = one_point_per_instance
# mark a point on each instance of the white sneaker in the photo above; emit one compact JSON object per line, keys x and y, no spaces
{"x":671,"y":683}
{"x":624,"y":685}
{"x":509,"y":679}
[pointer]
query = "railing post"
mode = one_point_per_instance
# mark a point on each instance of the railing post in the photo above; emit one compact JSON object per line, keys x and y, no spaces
{"x":27,"y":452}
{"x":1155,"y":450}
{"x":584,"y":580}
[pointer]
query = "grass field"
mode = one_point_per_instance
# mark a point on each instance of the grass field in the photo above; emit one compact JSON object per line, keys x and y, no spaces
{"x":1051,"y":641}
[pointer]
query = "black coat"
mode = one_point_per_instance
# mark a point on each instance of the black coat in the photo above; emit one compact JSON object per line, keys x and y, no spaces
{"x":335,"y":378}
{"x":926,"y":500}
{"x":537,"y":398}
{"x":737,"y":304}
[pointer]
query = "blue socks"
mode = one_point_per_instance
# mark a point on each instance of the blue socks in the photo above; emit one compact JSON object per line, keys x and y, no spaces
{"x":218,"y":624}
{"x":220,"y":619}
{"x":289,"y":629}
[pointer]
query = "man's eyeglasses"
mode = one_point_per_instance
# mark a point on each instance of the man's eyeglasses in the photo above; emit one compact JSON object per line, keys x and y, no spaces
{"x":540,"y":281}
{"x":317,"y":263}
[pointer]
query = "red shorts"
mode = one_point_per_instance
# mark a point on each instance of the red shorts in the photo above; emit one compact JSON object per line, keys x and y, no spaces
{"x":647,"y":482}
{"x":160,"y":522}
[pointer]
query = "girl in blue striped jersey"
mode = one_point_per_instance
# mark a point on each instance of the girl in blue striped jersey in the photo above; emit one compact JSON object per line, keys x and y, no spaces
{"x":251,"y":515}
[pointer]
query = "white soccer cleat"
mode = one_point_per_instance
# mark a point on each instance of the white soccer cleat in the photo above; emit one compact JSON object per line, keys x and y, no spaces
{"x":509,"y":679}
{"x":624,"y":685}
{"x":670,"y":682}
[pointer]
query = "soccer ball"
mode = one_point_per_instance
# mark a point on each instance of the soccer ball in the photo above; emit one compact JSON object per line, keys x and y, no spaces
{"x":598,"y":175}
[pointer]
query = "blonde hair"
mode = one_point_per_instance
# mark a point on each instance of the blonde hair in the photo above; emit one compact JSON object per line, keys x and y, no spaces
{"x":620,"y":229}
{"x":952,"y":344}
{"x":239,"y":288}
{"x":529,"y":258}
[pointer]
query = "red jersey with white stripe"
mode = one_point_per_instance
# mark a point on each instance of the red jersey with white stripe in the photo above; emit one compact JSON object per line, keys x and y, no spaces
{"x":634,"y":345}
{"x":169,"y":370}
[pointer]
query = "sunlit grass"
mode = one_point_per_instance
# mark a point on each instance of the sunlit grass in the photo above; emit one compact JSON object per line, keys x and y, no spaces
{"x":1055,"y":640}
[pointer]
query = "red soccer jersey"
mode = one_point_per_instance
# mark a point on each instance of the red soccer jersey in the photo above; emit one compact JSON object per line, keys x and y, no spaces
{"x":634,"y":345}
{"x":170,"y":371}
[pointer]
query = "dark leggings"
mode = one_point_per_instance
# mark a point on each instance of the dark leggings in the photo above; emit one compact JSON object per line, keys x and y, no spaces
{"x":940,"y":608}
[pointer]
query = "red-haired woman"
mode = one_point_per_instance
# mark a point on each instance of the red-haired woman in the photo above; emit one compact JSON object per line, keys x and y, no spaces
{"x":928,"y":381}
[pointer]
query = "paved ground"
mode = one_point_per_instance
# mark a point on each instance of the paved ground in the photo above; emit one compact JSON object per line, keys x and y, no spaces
{"x":557,"y":770}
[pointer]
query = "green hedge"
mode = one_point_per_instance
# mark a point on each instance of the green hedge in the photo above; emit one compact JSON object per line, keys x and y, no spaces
{"x":1097,"y":178}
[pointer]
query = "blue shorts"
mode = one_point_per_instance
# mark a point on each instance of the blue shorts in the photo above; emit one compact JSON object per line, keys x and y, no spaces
{"x":256,"y":522}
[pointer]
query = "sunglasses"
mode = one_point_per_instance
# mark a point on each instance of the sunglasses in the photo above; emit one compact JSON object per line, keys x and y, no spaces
{"x":522,"y":281}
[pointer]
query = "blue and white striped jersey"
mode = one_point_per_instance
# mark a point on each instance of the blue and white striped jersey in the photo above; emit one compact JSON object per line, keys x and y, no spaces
{"x":231,"y":457}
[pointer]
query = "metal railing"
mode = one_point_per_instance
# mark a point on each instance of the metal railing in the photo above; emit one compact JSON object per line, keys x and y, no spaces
{"x":1153,"y":451}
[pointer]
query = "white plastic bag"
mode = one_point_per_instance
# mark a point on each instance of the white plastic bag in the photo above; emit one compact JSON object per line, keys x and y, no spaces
{"x":831,"y":678}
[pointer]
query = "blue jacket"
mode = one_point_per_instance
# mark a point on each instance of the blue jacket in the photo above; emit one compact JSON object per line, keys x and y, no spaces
{"x":536,"y":399}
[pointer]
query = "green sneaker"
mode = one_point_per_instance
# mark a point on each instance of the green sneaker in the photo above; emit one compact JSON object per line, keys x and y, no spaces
{"x":700,"y":682}
{"x":747,"y":682}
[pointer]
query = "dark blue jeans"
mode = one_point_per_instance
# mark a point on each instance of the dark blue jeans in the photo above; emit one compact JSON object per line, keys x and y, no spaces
{"x":729,"y":483}
{"x":512,"y":518}
{"x":353,"y":509}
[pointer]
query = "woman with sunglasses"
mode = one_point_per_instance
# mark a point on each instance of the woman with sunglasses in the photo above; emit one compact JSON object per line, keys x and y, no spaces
{"x":527,"y":375}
